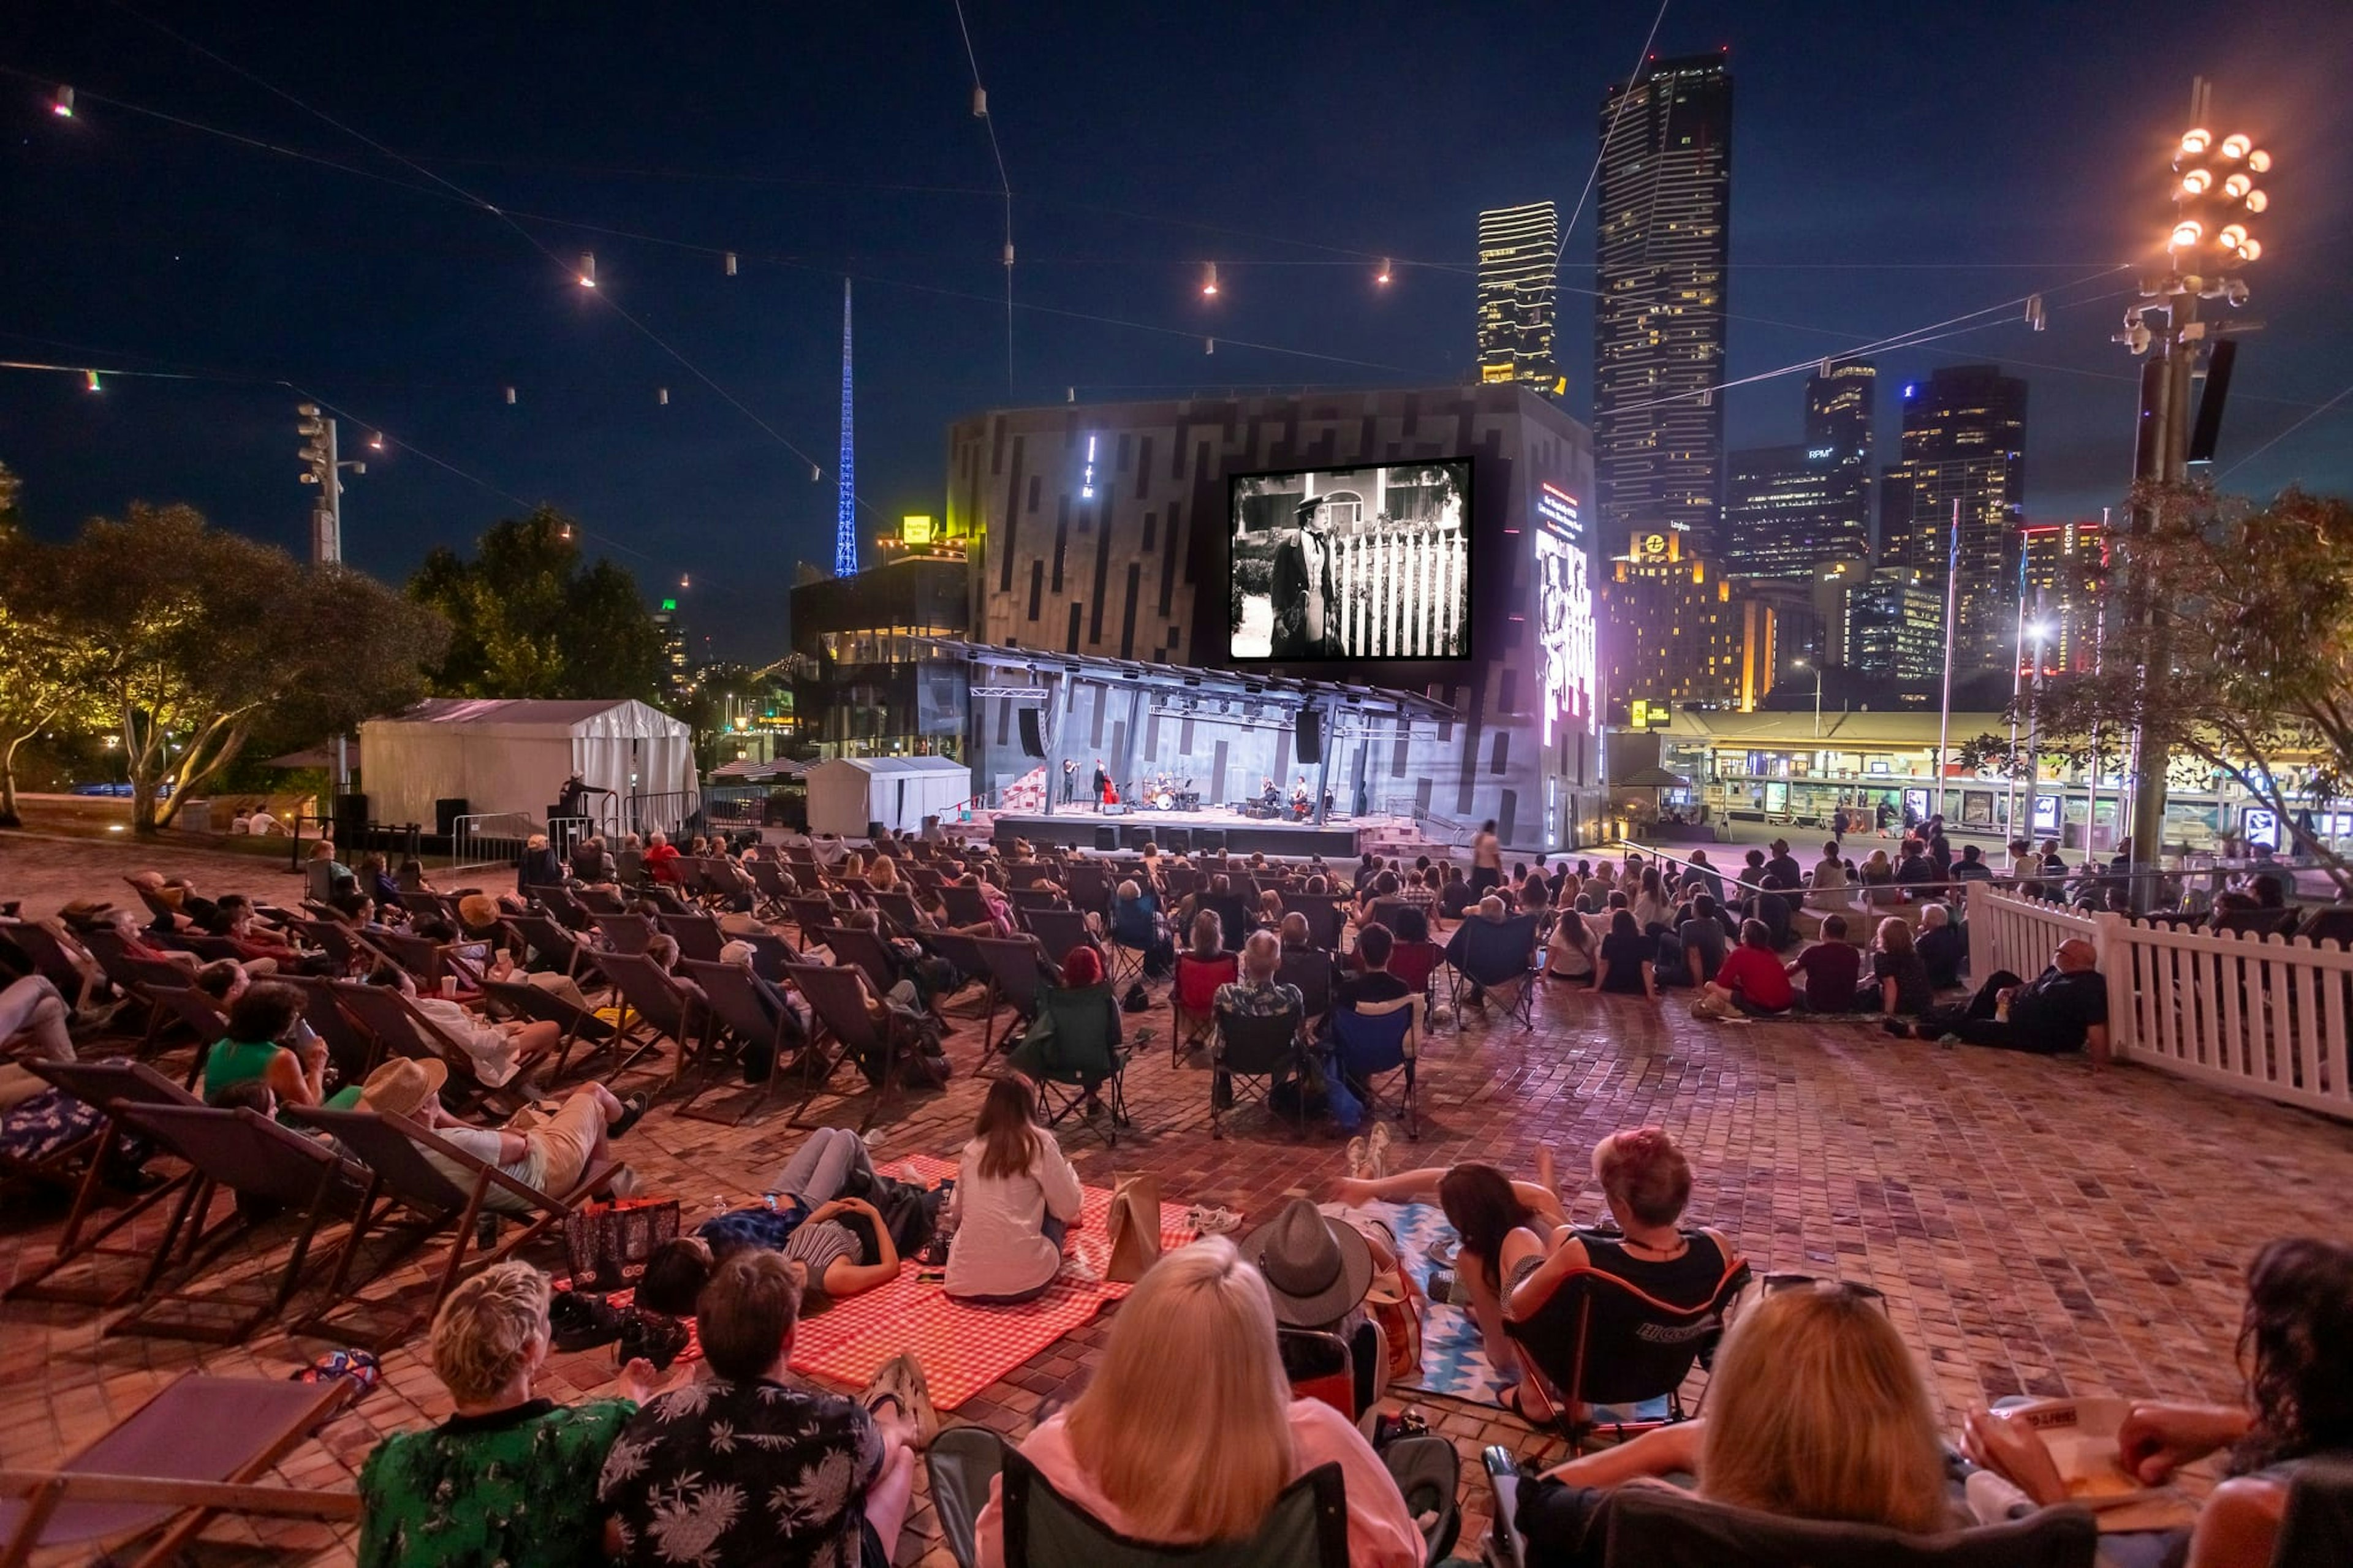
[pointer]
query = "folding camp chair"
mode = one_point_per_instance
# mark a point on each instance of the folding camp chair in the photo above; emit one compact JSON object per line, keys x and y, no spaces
{"x":658,"y":1001}
{"x":525,"y":1000}
{"x":392,"y":1151}
{"x":1070,"y":1055}
{"x":545,"y":941}
{"x":1253,"y":1053}
{"x":268,"y":1167}
{"x":1309,"y":969}
{"x":1306,"y":1526}
{"x":961,"y":1462}
{"x":1325,"y":918}
{"x":752,"y":1020}
{"x":837,"y":995}
{"x":1377,"y":1039}
{"x":108,"y":1087}
{"x":1060,"y":930}
{"x":400,"y":1028}
{"x":1090,"y":886}
{"x":199,"y":1448}
{"x":1413,"y":964}
{"x":862,"y":950}
{"x":1015,"y":968}
{"x":1498,"y":958}
{"x":1598,"y":1340}
{"x":698,"y":936}
{"x":1193,"y":1000}
{"x":625,"y":933}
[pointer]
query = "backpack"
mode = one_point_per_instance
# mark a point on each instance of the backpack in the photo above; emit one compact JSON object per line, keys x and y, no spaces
{"x":1135,"y":1001}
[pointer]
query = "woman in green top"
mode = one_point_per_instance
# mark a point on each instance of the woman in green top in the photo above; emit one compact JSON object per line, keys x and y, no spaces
{"x":258,"y":1021}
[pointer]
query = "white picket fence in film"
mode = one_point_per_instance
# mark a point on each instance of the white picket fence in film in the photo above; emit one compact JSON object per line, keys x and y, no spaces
{"x":1404,"y":591}
{"x":2266,"y":1015}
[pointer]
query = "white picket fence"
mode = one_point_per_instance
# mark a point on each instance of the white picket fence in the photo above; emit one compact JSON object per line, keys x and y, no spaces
{"x":2265,"y":1015}
{"x":1404,"y":591}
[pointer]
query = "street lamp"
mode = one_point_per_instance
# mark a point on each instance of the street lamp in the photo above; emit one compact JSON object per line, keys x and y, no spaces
{"x":2038,"y":632}
{"x":1806,"y":664}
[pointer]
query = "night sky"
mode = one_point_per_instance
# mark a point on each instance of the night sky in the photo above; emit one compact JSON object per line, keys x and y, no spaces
{"x":1893,"y":166}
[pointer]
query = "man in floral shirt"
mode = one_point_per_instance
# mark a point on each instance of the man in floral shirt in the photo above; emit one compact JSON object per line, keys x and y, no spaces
{"x":507,"y":1479}
{"x":744,"y":1472}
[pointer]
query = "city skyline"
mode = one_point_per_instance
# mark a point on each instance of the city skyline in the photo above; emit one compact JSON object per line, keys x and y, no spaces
{"x":1519,"y":274}
{"x":147,"y":245}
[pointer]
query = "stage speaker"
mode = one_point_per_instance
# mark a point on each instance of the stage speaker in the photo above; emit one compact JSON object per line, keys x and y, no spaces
{"x":1033,"y":743}
{"x":350,"y":813}
{"x":1135,"y":837}
{"x":1310,"y":730}
{"x":1211,"y":840}
{"x":1177,"y":840}
{"x":1116,"y":808}
{"x":1106,"y":838}
{"x":446,"y":813}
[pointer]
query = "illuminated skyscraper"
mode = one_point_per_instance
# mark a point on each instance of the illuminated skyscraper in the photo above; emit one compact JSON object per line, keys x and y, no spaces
{"x":1787,"y":508}
{"x":1519,"y":259}
{"x":1965,"y":443}
{"x":1664,"y":245}
{"x":845,"y":524}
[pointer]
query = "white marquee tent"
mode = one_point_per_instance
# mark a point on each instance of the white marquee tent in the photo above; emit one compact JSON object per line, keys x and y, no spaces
{"x":846,"y":794}
{"x":513,"y":756}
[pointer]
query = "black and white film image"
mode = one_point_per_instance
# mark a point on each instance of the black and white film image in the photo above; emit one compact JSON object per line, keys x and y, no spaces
{"x":1339,"y":563}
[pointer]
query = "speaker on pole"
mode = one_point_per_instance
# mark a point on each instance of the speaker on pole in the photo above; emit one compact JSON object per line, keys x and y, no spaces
{"x":1309,"y":725}
{"x":1033,"y":743}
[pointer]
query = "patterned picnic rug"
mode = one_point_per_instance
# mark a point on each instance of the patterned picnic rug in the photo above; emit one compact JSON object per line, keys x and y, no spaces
{"x":1454,"y":1359}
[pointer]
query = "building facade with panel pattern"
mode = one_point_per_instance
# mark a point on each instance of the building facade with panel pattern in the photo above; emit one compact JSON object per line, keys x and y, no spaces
{"x":1102,"y":529}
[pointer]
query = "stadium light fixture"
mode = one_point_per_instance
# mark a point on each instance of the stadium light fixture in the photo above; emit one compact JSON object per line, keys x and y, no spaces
{"x":1210,"y":281}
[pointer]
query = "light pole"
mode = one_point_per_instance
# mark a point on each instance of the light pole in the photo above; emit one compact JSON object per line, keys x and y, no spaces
{"x":2215,"y":199}
{"x":1817,"y":669}
{"x":2038,"y":634}
{"x":324,"y":466}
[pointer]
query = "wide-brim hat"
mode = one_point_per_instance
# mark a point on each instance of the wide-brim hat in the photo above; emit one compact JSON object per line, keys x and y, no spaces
{"x":1316,"y":1268}
{"x":81,"y":910}
{"x":478,"y":911}
{"x":403,"y":1084}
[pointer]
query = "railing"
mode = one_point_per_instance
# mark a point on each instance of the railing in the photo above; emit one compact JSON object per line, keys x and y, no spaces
{"x":499,"y":837}
{"x":2264,"y":1015}
{"x":1402,"y":592}
{"x":673,"y":812}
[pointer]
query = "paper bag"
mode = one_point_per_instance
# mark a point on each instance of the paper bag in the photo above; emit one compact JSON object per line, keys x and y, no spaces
{"x":1133,"y":1229}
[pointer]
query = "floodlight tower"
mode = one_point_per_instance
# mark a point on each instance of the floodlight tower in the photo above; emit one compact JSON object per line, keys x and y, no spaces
{"x":324,"y":467}
{"x":844,"y":512}
{"x":2215,"y":202}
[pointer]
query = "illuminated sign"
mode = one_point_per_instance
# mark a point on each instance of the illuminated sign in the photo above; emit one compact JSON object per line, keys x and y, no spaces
{"x":1087,"y":474}
{"x":2262,"y":826}
{"x":1816,"y":454}
{"x":1566,"y":627}
{"x":1558,"y":508}
{"x":1639,"y":714}
{"x":669,"y":603}
{"x":914,"y":530}
{"x":2046,"y":815}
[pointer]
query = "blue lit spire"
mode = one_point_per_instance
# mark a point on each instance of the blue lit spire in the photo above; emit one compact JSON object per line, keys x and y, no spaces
{"x":845,"y":524}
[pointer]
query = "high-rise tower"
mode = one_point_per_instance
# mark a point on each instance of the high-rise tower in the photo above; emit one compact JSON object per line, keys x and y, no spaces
{"x":1965,"y":445}
{"x":845,"y":511}
{"x":1519,"y":261}
{"x":1662,"y":245}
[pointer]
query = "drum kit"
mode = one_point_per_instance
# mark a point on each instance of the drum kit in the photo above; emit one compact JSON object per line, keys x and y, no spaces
{"x":1166,"y":792}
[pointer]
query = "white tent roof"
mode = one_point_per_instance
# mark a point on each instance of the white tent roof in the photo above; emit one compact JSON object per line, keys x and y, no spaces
{"x":897,"y":766}
{"x":624,"y":718}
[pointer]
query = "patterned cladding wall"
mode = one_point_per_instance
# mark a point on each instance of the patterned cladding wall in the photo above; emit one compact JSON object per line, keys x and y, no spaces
{"x":1118,"y":574}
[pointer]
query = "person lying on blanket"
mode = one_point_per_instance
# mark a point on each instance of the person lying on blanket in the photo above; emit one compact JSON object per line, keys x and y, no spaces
{"x":800,"y":1218}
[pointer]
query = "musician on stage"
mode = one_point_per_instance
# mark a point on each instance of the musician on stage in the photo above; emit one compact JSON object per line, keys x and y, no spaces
{"x":1105,"y":793}
{"x":1070,"y":779}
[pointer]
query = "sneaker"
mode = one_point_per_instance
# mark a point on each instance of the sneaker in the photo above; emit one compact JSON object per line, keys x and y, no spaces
{"x":650,"y":1335}
{"x":580,"y":1321}
{"x":1377,"y":1147}
{"x":1360,"y":1159}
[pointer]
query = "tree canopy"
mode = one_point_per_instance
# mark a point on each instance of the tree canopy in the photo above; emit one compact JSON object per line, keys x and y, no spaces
{"x":529,"y":618}
{"x":2242,"y":614}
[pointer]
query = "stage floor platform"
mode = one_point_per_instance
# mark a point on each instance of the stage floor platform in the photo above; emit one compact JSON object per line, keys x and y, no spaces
{"x":1082,"y":827}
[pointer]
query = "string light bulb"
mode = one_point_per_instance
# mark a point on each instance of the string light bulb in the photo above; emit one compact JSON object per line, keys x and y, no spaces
{"x":2252,"y":251}
{"x":2188,"y":232}
{"x":2237,"y":185}
{"x":62,"y":106}
{"x":682,"y":581}
{"x":2195,"y":181}
{"x":1383,"y":276}
{"x":587,"y":269}
{"x":816,"y":474}
{"x":564,"y":532}
{"x":2257,"y":201}
{"x":1210,"y":281}
{"x":376,"y":442}
{"x":730,"y":264}
{"x":1210,"y":345}
{"x":2197,"y":141}
{"x":511,"y":398}
{"x":90,"y":380}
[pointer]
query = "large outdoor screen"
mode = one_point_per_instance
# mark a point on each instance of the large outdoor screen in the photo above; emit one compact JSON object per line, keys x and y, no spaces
{"x":1350,"y":564}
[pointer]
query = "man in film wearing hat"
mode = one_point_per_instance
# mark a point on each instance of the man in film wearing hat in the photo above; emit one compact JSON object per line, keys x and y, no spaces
{"x":546,"y":1150}
{"x":1319,"y":1267}
{"x":1306,"y":598}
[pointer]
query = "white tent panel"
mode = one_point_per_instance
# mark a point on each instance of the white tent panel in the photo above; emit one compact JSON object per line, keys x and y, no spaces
{"x":847,"y":794}
{"x":514,"y":756}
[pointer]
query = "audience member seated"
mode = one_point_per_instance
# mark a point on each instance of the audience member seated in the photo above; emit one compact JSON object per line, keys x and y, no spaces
{"x":1015,"y":1196}
{"x":1751,"y":980}
{"x":1899,"y":981}
{"x":745,"y":1466}
{"x":267,"y":1040}
{"x":1769,"y":904}
{"x":540,"y":867}
{"x":1653,"y":910}
{"x":1136,"y":924}
{"x":496,"y":1052}
{"x":1815,"y":1411}
{"x":1570,"y":950}
{"x":1831,"y":891}
{"x":1504,"y":1227}
{"x":343,"y":890}
{"x":660,"y":860}
{"x":1832,"y":968}
{"x":1188,"y":1432}
{"x":1455,"y":898}
{"x":1971,"y":867}
{"x":507,"y":1478}
{"x":2296,"y":1341}
{"x":1703,"y":939}
{"x":547,"y":1151}
{"x":1626,"y":963}
{"x":1372,"y":983}
{"x":1943,"y":946}
{"x":592,"y":862}
{"x":2064,"y":1008}
{"x":34,"y":1021}
{"x":1783,"y":867}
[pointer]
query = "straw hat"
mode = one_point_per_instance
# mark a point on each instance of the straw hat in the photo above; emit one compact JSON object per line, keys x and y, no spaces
{"x":403,"y":1084}
{"x":83,"y":909}
{"x":478,"y":911}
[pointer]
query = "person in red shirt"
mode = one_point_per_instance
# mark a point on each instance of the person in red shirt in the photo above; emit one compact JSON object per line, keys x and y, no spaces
{"x":661,"y":858}
{"x":1832,"y":968}
{"x":1751,"y":978}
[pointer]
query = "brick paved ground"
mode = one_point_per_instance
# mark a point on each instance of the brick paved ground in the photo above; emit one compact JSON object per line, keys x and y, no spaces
{"x":2036,"y":1230}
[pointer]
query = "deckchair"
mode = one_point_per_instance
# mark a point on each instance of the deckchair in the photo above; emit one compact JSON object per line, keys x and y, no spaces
{"x":625,"y":933}
{"x":899,"y":909}
{"x":402,"y":1029}
{"x":1060,"y":931}
{"x":964,"y":953}
{"x":53,"y":964}
{"x":264,"y":1163}
{"x":657,"y":999}
{"x":107,"y":1087}
{"x":528,"y":1001}
{"x":341,"y":943}
{"x":543,"y":936}
{"x":198,"y":1449}
{"x":770,"y":954}
{"x":863,"y":950}
{"x":965,"y":905}
{"x":698,"y":936}
{"x":184,"y":1003}
{"x":752,"y":1020}
{"x":837,"y":995}
{"x":809,"y":912}
{"x":392,"y":1148}
{"x":1014,"y":968}
{"x":352,"y":1049}
{"x":768,"y":877}
{"x":564,"y":906}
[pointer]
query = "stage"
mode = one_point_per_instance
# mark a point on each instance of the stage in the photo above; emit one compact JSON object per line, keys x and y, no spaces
{"x":1082,"y":827}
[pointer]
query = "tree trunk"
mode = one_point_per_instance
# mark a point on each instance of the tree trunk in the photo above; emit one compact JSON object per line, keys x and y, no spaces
{"x":8,"y":817}
{"x":143,"y":804}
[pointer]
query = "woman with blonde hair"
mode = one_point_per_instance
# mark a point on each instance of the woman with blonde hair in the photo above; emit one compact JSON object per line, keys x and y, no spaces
{"x":1815,"y":1411}
{"x":882,"y":876}
{"x":1188,"y":1432}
